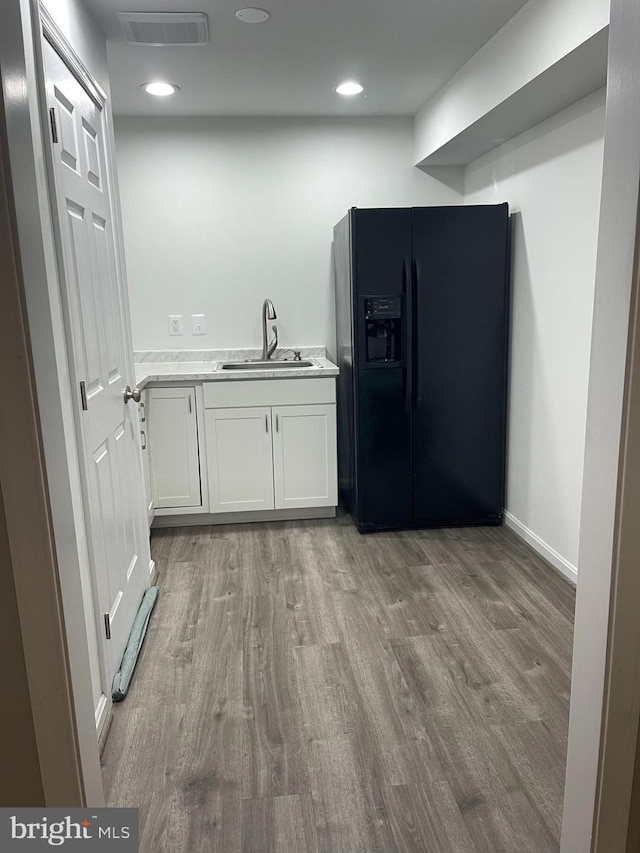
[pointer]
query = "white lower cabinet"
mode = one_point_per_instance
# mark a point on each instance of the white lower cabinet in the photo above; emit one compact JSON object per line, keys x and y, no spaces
{"x":304,"y":456}
{"x":239,"y":446}
{"x":278,"y":456}
{"x":239,"y":452}
{"x":173,"y":438}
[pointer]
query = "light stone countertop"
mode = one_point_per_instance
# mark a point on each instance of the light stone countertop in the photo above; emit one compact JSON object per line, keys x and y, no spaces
{"x":179,"y":370}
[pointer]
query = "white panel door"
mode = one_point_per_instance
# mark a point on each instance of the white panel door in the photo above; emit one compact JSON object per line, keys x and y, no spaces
{"x":240,"y":460}
{"x":173,"y":437}
{"x":100,"y":357}
{"x":304,"y":456}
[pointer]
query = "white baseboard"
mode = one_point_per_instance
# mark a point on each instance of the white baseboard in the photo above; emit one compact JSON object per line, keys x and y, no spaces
{"x":103,"y":730}
{"x":102,"y":711}
{"x":558,"y":562}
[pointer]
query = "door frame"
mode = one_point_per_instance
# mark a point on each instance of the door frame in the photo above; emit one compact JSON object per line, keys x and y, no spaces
{"x":617,"y":771}
{"x":24,"y":497}
{"x":621,"y":707}
{"x":38,"y":468}
{"x":605,"y":693}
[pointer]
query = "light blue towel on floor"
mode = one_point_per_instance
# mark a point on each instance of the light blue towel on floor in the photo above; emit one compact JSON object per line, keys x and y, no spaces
{"x":122,"y":678}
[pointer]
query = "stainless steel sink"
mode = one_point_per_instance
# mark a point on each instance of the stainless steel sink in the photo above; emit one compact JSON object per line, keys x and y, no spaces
{"x":267,"y":365}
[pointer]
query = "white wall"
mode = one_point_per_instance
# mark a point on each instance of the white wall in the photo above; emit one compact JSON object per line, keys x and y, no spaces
{"x":551,"y":177}
{"x":220,"y":213}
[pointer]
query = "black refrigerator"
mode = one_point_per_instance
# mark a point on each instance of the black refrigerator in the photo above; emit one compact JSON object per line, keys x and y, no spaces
{"x":422,"y":308}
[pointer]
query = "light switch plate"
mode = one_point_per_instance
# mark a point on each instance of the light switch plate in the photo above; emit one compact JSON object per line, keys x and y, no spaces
{"x":175,"y":324}
{"x":198,"y":324}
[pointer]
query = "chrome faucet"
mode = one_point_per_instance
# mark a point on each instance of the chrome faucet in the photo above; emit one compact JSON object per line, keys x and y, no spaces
{"x":268,"y":313}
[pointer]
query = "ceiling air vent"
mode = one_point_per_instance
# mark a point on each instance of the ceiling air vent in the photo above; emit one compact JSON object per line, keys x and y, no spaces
{"x":165,"y":29}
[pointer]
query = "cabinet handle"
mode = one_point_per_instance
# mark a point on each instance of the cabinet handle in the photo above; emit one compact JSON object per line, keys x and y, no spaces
{"x":266,"y":423}
{"x":143,"y":408}
{"x":144,"y":439}
{"x":277,"y":424}
{"x":189,"y":403}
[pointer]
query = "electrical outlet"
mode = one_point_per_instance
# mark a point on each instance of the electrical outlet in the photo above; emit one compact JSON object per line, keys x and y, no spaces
{"x":198,"y":324}
{"x":175,"y":324}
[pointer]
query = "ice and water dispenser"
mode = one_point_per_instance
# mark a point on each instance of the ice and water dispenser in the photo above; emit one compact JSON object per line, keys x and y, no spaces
{"x":383,"y":329}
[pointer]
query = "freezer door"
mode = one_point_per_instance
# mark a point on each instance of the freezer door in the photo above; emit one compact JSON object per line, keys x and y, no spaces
{"x":384,"y":450}
{"x":460,"y":365}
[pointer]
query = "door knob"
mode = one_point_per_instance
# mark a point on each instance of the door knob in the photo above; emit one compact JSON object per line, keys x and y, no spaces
{"x":131,"y":394}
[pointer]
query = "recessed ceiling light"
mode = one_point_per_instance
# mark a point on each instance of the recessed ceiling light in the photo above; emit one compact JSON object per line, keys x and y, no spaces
{"x":350,"y":87}
{"x":160,"y":90}
{"x":253,"y":16}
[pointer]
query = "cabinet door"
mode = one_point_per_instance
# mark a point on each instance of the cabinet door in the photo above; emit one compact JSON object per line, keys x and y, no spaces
{"x":240,"y":459}
{"x":173,"y":439}
{"x":304,"y":454}
{"x":146,"y":461}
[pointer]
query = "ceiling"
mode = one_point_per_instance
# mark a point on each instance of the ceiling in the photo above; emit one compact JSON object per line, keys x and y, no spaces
{"x":402,"y":50}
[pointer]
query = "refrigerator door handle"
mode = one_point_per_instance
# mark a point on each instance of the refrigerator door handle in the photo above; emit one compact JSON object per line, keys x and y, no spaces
{"x":409,"y":308}
{"x":416,"y":275}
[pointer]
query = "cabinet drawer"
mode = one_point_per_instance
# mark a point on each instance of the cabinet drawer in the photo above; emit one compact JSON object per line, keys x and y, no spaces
{"x":268,"y":392}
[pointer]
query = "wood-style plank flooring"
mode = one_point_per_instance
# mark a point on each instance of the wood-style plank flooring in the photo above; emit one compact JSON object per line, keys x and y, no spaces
{"x":306,"y":688}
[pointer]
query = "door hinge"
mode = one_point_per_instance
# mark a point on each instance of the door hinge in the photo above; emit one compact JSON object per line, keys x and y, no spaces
{"x":107,"y":626}
{"x":54,"y":124}
{"x":83,"y":395}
